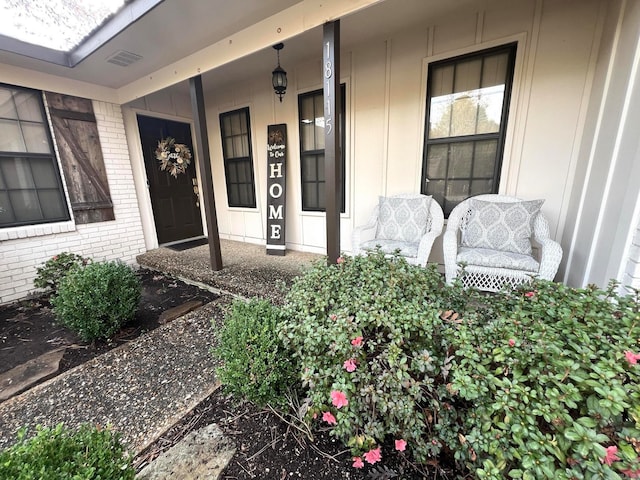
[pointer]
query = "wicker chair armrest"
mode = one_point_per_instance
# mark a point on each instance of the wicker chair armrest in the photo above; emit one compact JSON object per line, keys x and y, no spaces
{"x":550,"y":257}
{"x":435,"y":229}
{"x":365,"y":232}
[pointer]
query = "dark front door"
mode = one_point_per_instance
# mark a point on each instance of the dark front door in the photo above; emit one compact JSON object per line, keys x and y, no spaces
{"x":175,"y":204}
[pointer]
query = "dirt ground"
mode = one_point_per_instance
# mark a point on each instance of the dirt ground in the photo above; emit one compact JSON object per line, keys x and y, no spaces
{"x":267,"y":446}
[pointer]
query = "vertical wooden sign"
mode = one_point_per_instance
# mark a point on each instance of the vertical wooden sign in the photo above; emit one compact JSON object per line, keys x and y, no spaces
{"x":276,"y":182}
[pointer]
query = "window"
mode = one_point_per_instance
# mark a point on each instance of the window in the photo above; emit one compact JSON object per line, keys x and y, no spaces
{"x":30,"y":186}
{"x":238,"y":162}
{"x":467,"y":107}
{"x":311,"y":112}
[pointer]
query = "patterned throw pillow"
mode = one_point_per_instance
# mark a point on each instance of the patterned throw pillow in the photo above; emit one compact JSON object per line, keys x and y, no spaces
{"x":505,"y":226}
{"x":403,"y":219}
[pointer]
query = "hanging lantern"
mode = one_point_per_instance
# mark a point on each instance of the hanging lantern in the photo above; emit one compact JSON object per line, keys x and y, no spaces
{"x":279,"y":76}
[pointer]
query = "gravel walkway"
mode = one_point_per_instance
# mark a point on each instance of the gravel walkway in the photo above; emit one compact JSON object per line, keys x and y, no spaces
{"x":142,"y":388}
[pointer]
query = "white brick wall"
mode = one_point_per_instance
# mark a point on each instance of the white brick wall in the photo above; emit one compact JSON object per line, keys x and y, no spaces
{"x":23,"y":249}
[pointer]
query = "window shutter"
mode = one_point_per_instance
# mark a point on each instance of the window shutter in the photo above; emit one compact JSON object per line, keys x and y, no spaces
{"x":76,"y":133}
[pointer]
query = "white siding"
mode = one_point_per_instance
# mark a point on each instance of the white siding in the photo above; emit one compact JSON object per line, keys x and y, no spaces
{"x":23,"y":249}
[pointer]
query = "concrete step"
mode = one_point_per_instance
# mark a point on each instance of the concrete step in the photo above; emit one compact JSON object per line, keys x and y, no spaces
{"x":201,"y":455}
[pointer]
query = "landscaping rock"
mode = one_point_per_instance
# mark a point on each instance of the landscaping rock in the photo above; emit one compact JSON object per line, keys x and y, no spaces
{"x":175,"y":312}
{"x":24,"y":376}
{"x":202,"y":455}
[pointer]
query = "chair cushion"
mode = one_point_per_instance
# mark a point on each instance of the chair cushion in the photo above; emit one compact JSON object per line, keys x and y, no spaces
{"x":407,"y":249}
{"x":403,"y":219}
{"x":505,"y":226}
{"x":485,"y":257}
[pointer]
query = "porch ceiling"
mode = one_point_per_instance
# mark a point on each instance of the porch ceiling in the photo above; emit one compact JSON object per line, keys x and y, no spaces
{"x":176,"y":29}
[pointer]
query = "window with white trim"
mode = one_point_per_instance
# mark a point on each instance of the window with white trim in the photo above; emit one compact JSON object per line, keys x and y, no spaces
{"x":30,"y":185}
{"x":311,"y":126}
{"x":238,"y":159}
{"x":467,"y":109}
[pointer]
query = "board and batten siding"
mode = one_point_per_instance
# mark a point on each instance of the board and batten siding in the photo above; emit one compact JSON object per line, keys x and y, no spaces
{"x":385,"y":81}
{"x":23,"y":249}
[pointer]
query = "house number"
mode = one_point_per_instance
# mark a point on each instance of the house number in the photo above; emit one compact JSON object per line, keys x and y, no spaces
{"x":328,"y":73}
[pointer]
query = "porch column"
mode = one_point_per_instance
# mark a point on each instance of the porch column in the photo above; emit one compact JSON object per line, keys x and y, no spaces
{"x":204,"y":162}
{"x":332,"y":147}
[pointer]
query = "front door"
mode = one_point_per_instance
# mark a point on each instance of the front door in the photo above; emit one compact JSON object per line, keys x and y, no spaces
{"x":176,"y":210}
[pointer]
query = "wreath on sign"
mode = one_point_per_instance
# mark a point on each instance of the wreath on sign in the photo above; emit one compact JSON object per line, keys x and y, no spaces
{"x":173,"y":157}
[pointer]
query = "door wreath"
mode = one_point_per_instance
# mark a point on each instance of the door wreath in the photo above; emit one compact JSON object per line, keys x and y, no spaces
{"x":173,"y":157}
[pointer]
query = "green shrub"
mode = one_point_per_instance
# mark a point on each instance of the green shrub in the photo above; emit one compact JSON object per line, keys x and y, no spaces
{"x":549,"y":385}
{"x":368,"y":331}
{"x":85,"y":453}
{"x":256,"y":366}
{"x":534,"y":383}
{"x":97,"y":300}
{"x":56,"y":268}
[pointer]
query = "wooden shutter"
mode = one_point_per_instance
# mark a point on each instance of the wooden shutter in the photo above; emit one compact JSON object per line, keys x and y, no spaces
{"x":76,"y":132}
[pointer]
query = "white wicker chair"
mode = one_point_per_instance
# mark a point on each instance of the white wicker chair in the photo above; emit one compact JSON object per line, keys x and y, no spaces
{"x":415,"y":252}
{"x":492,"y":278}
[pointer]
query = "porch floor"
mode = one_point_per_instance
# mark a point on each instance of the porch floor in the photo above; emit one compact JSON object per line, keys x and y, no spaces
{"x":247,"y":270}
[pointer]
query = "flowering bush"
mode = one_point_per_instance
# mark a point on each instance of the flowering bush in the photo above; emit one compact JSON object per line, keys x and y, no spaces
{"x":551,"y":384}
{"x":540,"y":382}
{"x":56,"y":268}
{"x":367,"y":333}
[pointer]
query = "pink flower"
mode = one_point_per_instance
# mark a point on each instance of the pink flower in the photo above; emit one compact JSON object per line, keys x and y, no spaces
{"x":340,"y":260}
{"x":333,"y":317}
{"x":357,"y":462}
{"x":529,"y":294}
{"x":329,"y":418}
{"x":512,"y":342}
{"x":54,"y":258}
{"x":339,"y":399}
{"x":357,"y":342}
{"x":610,"y":456}
{"x":373,"y":455}
{"x":631,"y":357}
{"x":349,"y":365}
{"x":401,"y":445}
{"x":631,"y":473}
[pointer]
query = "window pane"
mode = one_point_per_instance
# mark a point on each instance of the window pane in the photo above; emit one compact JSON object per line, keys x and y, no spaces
{"x":243,"y":122}
{"x":479,"y":187}
{"x":307,"y":137}
{"x":26,"y":206}
{"x":442,"y":80}
{"x":235,"y":125}
{"x":467,"y":76}
{"x":238,"y":147}
{"x":11,"y":137}
{"x":6,"y":212}
{"x":307,"y":115}
{"x":232,"y":194}
{"x":436,"y":189}
{"x":460,"y":160}
{"x":440,"y":116}
{"x":226,"y":125}
{"x":309,"y":168}
{"x":7,"y":107}
{"x":17,"y":174}
{"x":490,"y":104}
{"x":320,"y":161}
{"x":464,"y":115}
{"x":319,"y":120}
{"x":28,"y":104}
{"x":485,"y":158}
{"x":53,"y":205}
{"x":494,"y":70}
{"x":35,"y":137}
{"x":242,"y":167}
{"x":228,"y":148}
{"x":437,"y":161}
{"x":44,"y":175}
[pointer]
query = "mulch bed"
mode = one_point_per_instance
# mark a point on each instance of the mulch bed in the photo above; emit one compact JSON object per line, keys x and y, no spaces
{"x":268,"y":446}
